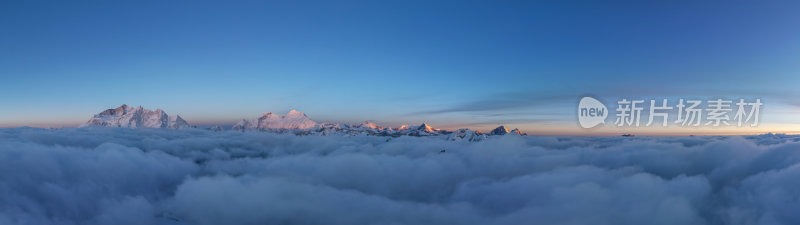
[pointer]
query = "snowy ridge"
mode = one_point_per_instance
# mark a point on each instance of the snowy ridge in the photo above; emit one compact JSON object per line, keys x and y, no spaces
{"x":130,"y":117}
{"x":463,"y":134}
{"x":298,"y":123}
{"x":294,"y":122}
{"x":269,"y":121}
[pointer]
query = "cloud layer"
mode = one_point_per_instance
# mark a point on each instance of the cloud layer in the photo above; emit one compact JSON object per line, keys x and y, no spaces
{"x":154,"y":176}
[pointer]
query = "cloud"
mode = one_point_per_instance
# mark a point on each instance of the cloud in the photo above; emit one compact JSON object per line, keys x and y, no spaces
{"x":156,"y":176}
{"x":549,"y":103}
{"x":504,"y":102}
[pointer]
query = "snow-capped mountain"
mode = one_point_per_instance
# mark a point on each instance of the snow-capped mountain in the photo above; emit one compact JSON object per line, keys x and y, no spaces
{"x":423,"y":130}
{"x":367,"y":125}
{"x":465,"y":134}
{"x":269,"y":121}
{"x":298,"y":123}
{"x":293,"y":122}
{"x":501,"y":130}
{"x":130,"y":117}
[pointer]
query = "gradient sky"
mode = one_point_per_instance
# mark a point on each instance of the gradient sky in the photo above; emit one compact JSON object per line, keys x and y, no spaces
{"x":452,"y":64}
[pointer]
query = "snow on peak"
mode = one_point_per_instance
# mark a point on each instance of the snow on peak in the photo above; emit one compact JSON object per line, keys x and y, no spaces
{"x":269,"y":121}
{"x":465,"y":134}
{"x":425,"y":127}
{"x":295,"y":113}
{"x":369,"y":125}
{"x":130,"y":117}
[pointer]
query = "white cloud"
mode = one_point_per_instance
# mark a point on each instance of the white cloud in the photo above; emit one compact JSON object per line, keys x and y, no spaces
{"x":154,"y":176}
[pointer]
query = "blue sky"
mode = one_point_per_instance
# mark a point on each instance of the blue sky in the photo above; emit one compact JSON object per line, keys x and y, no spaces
{"x":450,"y":63}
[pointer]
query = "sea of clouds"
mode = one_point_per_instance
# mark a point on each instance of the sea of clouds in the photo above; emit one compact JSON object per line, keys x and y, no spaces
{"x":159,"y":176}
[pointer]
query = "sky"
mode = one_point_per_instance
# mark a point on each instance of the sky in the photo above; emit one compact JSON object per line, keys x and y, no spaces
{"x":451,"y":64}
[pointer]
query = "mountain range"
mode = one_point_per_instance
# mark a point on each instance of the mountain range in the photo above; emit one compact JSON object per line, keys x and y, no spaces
{"x":293,"y":122}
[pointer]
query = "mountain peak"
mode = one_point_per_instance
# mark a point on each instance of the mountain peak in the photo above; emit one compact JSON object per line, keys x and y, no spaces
{"x":426,"y":127}
{"x":127,"y":116}
{"x":501,"y":130}
{"x":295,"y":113}
{"x":370,"y":125}
{"x":268,"y":121}
{"x":124,"y":107}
